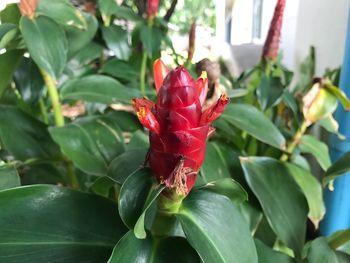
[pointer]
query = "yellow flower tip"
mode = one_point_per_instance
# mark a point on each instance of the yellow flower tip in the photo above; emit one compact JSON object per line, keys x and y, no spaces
{"x":141,"y":113}
{"x":204,"y":75}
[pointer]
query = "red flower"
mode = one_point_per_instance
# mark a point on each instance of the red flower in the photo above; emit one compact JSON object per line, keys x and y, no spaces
{"x":271,"y":45}
{"x":152,"y":8}
{"x":178,"y":126}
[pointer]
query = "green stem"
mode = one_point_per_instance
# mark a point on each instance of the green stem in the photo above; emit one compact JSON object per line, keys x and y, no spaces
{"x":295,"y":141}
{"x":143,"y":73}
{"x":43,"y":111}
{"x":56,"y":105}
{"x":59,"y":122}
{"x":165,"y":219}
{"x":339,"y":239}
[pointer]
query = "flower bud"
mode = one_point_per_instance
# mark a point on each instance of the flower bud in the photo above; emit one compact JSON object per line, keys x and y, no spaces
{"x":152,"y":8}
{"x":178,"y":127}
{"x":270,"y":49}
{"x":319,"y":103}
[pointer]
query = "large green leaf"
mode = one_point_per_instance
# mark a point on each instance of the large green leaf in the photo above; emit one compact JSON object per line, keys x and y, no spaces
{"x":151,"y":39}
{"x":214,"y":166}
{"x":47,"y":44}
{"x":320,"y":252}
{"x":341,"y":166}
{"x":44,"y":223}
{"x":77,"y":38}
{"x":62,"y":11}
{"x":90,"y":142}
{"x":8,"y":177}
{"x":216,"y":229}
{"x":25,"y":137}
{"x":8,"y":64}
{"x":268,"y":255}
{"x":254,"y":122}
{"x":152,"y":250}
{"x":309,"y":144}
{"x":280,"y":197}
{"x":29,"y":81}
{"x":97,"y":88}
{"x":269,"y":90}
{"x":120,"y":69}
{"x":117,"y":40}
{"x":311,"y":188}
{"x":229,"y":188}
{"x":137,"y":194}
{"x":125,"y":164}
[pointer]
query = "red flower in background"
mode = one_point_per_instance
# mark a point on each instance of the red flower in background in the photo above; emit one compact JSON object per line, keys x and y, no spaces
{"x":152,"y":8}
{"x":272,"y":41}
{"x":178,"y":125}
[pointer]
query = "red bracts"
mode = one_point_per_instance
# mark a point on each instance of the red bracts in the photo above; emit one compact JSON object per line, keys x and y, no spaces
{"x":270,"y":49}
{"x":178,"y":125}
{"x":152,"y":8}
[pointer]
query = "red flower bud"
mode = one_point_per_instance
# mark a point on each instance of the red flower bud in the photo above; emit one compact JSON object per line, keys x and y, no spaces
{"x":152,"y":8}
{"x":178,"y":127}
{"x":271,"y":45}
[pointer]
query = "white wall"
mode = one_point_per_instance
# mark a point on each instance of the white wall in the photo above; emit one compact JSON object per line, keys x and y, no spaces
{"x":320,"y":23}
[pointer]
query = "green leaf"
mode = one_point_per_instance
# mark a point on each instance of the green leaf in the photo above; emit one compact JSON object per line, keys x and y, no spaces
{"x":78,"y":39}
{"x":214,"y":166}
{"x":312,"y":190}
{"x":127,"y":121}
{"x":29,"y":81}
{"x":26,"y":137}
{"x":90,"y":142}
{"x":268,"y":255}
{"x":254,"y":122}
{"x":47,"y":44}
{"x":339,"y":94}
{"x":320,"y":252}
{"x":206,"y":219}
{"x":8,"y":32}
{"x":137,"y":194}
{"x":44,"y":223}
{"x":8,"y":64}
{"x":62,"y":11}
{"x":10,"y":14}
{"x":275,"y":188}
{"x":8,"y":177}
{"x":126,"y":164}
{"x":332,"y":126}
{"x":97,"y":88}
{"x":152,"y":250}
{"x":117,"y":40}
{"x":151,"y":39}
{"x":269,"y":90}
{"x":309,"y":144}
{"x":120,"y":69}
{"x":341,"y":166}
{"x":229,"y":188}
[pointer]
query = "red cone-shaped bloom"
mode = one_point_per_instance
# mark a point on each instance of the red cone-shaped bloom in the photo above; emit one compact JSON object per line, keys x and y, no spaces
{"x":152,"y":8}
{"x":178,"y":128}
{"x":272,"y":41}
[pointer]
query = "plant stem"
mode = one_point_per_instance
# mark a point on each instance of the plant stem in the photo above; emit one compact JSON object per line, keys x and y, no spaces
{"x":59,"y":122}
{"x":56,"y":105}
{"x":295,"y":141}
{"x":143,"y":73}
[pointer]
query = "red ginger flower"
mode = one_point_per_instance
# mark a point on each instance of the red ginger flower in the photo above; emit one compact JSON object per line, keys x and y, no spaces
{"x":270,"y":49}
{"x":178,"y":125}
{"x":152,"y":8}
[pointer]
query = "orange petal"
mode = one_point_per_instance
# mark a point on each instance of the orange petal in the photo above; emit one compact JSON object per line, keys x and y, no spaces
{"x":212,"y":113}
{"x":202,"y":87}
{"x":160,"y":71}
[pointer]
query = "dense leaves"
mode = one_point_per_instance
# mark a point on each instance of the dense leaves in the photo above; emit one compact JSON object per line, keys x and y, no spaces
{"x":51,"y":223}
